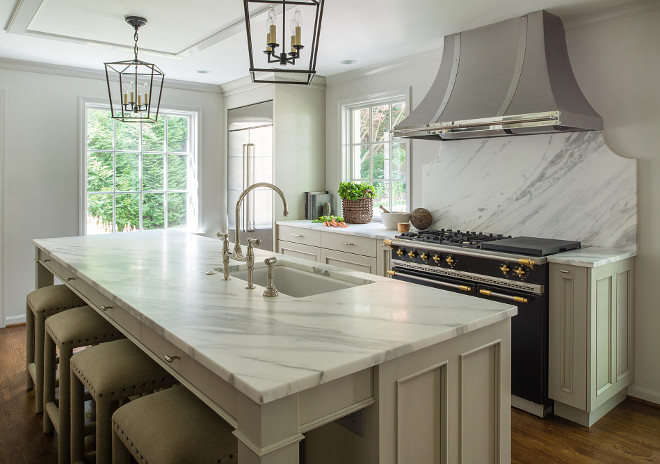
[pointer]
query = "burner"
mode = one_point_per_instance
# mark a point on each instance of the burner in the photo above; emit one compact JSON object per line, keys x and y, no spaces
{"x":465,"y":239}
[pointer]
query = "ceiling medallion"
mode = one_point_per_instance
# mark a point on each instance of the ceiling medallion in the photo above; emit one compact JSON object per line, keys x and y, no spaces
{"x":134,"y":83}
{"x":288,"y":60}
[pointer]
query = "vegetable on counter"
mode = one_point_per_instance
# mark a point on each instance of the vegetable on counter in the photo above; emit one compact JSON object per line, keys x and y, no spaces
{"x":331,"y":221}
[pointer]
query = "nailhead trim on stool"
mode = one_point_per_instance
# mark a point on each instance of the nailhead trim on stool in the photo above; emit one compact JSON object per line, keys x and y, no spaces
{"x":171,"y":427}
{"x":68,"y":330}
{"x":40,"y":304}
{"x":111,"y":372}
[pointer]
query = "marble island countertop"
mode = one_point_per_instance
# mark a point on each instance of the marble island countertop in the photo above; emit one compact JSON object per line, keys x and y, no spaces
{"x":267,"y":348}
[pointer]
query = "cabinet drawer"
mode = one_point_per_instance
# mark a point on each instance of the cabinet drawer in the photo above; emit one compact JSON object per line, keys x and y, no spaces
{"x":191,"y":373}
{"x":93,"y":297}
{"x":349,"y":261}
{"x":299,"y":235}
{"x":344,"y":242}
{"x":298,"y":250}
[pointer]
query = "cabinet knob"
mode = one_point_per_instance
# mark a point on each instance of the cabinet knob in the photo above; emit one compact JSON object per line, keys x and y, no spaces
{"x":564,"y":271}
{"x":297,"y":235}
{"x":346,"y":243}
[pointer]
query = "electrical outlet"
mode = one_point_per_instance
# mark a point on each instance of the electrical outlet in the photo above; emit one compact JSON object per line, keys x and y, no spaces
{"x":353,"y":422}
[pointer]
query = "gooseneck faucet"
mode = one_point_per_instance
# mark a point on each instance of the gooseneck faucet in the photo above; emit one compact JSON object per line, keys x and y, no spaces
{"x":238,"y":252}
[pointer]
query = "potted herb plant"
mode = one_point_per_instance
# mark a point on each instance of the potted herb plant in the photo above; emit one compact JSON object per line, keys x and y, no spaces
{"x":357,"y":202}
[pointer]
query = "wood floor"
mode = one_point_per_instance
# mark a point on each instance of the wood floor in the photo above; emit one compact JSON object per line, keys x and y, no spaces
{"x":627,"y":435}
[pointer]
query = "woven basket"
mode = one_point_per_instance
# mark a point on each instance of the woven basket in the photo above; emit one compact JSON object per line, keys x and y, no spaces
{"x":358,"y":211}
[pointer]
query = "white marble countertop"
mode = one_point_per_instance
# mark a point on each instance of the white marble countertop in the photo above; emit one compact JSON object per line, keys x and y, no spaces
{"x":591,"y":256}
{"x":267,"y":348}
{"x":371,"y":230}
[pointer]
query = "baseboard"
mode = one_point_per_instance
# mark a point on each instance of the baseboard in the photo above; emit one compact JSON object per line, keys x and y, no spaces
{"x":644,"y":394}
{"x":14,"y":320}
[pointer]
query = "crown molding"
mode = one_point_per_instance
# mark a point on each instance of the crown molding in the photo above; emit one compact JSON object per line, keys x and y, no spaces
{"x":433,"y":55}
{"x":611,"y":14}
{"x":83,"y":73}
{"x":245,"y":84}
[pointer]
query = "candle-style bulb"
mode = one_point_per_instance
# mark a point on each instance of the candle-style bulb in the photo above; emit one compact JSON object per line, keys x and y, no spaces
{"x":124,"y":89}
{"x":270,"y":24}
{"x":297,"y":18}
{"x":131,"y":90}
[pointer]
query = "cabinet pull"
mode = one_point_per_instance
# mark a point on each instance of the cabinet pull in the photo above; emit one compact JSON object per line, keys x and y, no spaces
{"x":170,"y":359}
{"x":69,"y":279}
{"x":564,"y":271}
{"x":346,"y":243}
{"x":297,"y":235}
{"x":47,"y":260}
{"x":105,"y":308}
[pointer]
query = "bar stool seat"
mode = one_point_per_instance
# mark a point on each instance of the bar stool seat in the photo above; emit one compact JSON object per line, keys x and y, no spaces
{"x":170,"y":427}
{"x":70,"y":329}
{"x":41,"y":304}
{"x":112,"y":372}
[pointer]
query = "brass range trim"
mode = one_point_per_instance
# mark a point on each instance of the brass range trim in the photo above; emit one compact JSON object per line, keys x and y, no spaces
{"x":536,"y":289}
{"x":457,"y":251}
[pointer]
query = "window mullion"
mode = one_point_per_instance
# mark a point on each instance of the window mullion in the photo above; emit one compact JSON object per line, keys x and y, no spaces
{"x":114,"y":175}
{"x":165,"y":165}
{"x":140,"y":178}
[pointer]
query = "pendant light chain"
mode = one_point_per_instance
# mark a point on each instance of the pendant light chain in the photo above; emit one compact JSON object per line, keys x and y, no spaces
{"x":135,"y":48}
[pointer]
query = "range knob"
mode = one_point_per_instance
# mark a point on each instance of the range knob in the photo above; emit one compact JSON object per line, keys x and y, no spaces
{"x":424,"y":256}
{"x":450,"y":260}
{"x":399,"y":252}
{"x":505,"y":269}
{"x":437,"y":259}
{"x":520,"y":272}
{"x":412,"y":254}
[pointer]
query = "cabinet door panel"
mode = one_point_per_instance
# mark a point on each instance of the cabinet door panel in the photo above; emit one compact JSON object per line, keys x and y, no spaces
{"x":567,"y":379}
{"x":349,"y":261}
{"x":298,"y":250}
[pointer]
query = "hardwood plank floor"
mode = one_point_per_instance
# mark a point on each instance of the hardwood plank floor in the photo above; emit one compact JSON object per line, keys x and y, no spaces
{"x":628,"y":434}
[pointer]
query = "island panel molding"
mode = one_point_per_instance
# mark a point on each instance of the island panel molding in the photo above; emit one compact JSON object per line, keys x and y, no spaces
{"x":566,"y":186}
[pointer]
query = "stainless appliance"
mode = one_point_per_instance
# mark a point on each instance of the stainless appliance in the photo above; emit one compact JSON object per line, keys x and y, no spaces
{"x":508,"y":78}
{"x":513,"y":270}
{"x":250,"y":161}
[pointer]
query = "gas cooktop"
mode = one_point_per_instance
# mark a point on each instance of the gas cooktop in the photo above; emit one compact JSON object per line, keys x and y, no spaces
{"x":460,"y":238}
{"x":532,"y":246}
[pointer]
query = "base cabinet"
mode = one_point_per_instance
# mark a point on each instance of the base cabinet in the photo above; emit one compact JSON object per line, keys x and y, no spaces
{"x":591,"y":342}
{"x":352,"y":252}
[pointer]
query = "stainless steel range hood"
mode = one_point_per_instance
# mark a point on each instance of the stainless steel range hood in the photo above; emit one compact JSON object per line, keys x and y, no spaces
{"x":509,"y":78}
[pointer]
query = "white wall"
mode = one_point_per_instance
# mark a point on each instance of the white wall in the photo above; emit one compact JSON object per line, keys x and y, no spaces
{"x":42,"y":162}
{"x":616,"y":60}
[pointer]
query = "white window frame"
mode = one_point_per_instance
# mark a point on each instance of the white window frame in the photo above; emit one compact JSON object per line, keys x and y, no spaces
{"x":194,"y":174}
{"x":375,"y":99}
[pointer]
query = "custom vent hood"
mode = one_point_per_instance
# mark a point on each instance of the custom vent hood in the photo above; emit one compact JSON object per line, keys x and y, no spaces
{"x":509,"y":78}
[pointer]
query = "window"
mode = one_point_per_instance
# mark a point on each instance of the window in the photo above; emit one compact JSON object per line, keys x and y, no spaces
{"x":139,"y":176}
{"x":372,"y":155}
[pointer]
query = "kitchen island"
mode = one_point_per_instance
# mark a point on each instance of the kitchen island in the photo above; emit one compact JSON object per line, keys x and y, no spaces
{"x":430,"y":369}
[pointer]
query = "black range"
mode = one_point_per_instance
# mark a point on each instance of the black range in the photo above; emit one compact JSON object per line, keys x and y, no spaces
{"x":496,"y":267}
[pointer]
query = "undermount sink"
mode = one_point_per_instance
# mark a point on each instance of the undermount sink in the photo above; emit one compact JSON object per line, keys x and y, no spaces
{"x":299,"y":283}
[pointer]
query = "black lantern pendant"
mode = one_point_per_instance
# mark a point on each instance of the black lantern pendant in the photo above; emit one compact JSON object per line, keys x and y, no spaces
{"x":134,"y":82}
{"x":287,"y":60}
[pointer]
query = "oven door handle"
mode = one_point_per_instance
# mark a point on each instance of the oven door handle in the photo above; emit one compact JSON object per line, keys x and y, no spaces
{"x":517,"y":299}
{"x":463,"y":288}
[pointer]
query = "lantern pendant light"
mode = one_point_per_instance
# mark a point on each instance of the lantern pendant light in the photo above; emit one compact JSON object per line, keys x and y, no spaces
{"x":287,"y":61}
{"x":134,"y":83}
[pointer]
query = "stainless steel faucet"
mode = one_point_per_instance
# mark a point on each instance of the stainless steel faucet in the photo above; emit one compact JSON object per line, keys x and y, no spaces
{"x":238,"y":252}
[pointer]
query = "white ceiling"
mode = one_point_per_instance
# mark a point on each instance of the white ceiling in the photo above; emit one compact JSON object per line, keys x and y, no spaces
{"x":183,"y":38}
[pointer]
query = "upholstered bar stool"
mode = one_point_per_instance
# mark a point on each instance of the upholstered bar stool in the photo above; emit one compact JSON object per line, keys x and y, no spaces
{"x":112,"y":372}
{"x":41,"y":304}
{"x":171,"y":427}
{"x":67,"y":330}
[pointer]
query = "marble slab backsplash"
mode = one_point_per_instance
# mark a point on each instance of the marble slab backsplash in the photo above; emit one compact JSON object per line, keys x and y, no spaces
{"x":567,"y":186}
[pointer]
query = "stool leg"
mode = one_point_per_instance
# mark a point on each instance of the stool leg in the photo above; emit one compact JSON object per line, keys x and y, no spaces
{"x":120,"y":455}
{"x":29,"y":344}
{"x":77,"y":418}
{"x":49,"y":381}
{"x":104,"y":410}
{"x":64,"y":411}
{"x":39,"y":329}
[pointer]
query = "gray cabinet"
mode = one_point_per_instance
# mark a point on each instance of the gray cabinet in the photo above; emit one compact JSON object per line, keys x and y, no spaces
{"x":591,"y":342}
{"x":357,"y":253}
